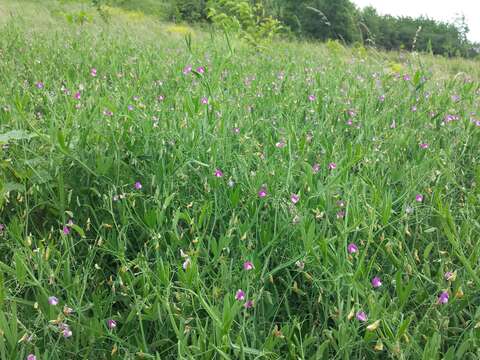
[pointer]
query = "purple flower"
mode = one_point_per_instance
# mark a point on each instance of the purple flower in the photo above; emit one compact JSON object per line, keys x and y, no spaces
{"x":240,"y":295}
{"x":449,"y":276}
{"x":332,"y":166}
{"x":419,"y":198}
{"x":406,"y":77}
{"x":361,"y":316}
{"x":248,"y":304}
{"x":352,"y":248}
{"x":111,"y":324}
{"x":77,"y":95}
{"x":107,"y":112}
{"x":248,"y":265}
{"x":130,"y":107}
{"x":294,"y":198}
{"x":66,"y":230}
{"x":138,"y":185}
{"x":424,"y":145}
{"x":381,"y":98}
{"x":201,"y":70}
{"x":66,"y":332}
{"x":218,"y":173}
{"x":443,"y":297}
{"x":187,"y":69}
{"x":204,"y":101}
{"x":31,"y":357}
{"x":161,"y":98}
{"x":262,"y":192}
{"x":52,"y":300}
{"x":39,"y":85}
{"x":376,"y":282}
{"x":312,"y":97}
{"x":315,"y":168}
{"x":93,"y":72}
{"x":340,"y":214}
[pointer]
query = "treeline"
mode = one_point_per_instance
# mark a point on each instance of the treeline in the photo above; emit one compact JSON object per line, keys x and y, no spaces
{"x":341,"y":20}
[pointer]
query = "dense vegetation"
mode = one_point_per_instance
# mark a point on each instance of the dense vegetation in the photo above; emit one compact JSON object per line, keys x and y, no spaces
{"x":170,"y":194}
{"x":328,"y":19}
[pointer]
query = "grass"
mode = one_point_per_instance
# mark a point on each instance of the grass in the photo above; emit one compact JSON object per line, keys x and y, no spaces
{"x":76,"y":227}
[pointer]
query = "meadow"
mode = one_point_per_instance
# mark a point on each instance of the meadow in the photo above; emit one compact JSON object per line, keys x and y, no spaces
{"x":168,"y":192}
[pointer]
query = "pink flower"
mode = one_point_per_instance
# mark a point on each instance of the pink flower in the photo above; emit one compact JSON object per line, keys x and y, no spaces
{"x":281,"y":144}
{"x":93,"y":72}
{"x":161,"y":98}
{"x":315,"y":168}
{"x":352,"y":248}
{"x":187,"y":69}
{"x":236,"y":130}
{"x":332,"y":166}
{"x":262,"y":192}
{"x":449,"y":276}
{"x":311,"y":97}
{"x":111,"y":324}
{"x":138,"y":185}
{"x":52,"y":300}
{"x":240,"y":295}
{"x":376,"y":282}
{"x":248,"y":304}
{"x":443,"y":297}
{"x":66,"y":230}
{"x":204,"y":101}
{"x":381,"y":98}
{"x":248,"y":265}
{"x":424,"y":145}
{"x":67,"y":332}
{"x":31,"y":357}
{"x":77,"y":95}
{"x":294,"y":198}
{"x":361,"y":316}
{"x":419,"y":198}
{"x":218,"y":173}
{"x":201,"y":70}
{"x":39,"y":85}
{"x":406,"y":77}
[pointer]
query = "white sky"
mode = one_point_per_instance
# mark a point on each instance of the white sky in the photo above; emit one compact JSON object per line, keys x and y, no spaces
{"x":445,"y":10}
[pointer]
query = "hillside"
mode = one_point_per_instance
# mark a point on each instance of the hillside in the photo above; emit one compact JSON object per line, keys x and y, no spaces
{"x":167,"y":192}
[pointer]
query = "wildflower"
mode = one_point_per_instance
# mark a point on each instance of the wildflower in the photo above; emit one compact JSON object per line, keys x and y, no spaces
{"x":186,"y":263}
{"x":161,"y":98}
{"x":352,"y":248}
{"x":443,"y":297}
{"x":280,"y":144}
{"x":31,"y":357}
{"x":130,"y":107}
{"x":294,"y":198}
{"x":381,"y":98}
{"x":67,"y":310}
{"x":93,"y":72}
{"x":52,"y":300}
{"x":248,"y":304}
{"x":39,"y":85}
{"x":240,"y":295}
{"x":312,"y":97}
{"x":315,"y":168}
{"x":406,"y":77}
{"x":187,"y":69}
{"x":361,"y":316}
{"x":332,"y":166}
{"x":419,"y":198}
{"x":349,"y":122}
{"x":218,"y":173}
{"x":111,"y":324}
{"x":204,"y":101}
{"x":201,"y":70}
{"x":262,"y":192}
{"x":107,"y":112}
{"x":138,"y":185}
{"x":300,"y":264}
{"x":231,"y":183}
{"x":340,"y":214}
{"x":450,"y":276}
{"x":376,"y":282}
{"x":424,"y":145}
{"x":248,"y":265}
{"x":414,"y":108}
{"x":236,"y":130}
{"x":408,"y":210}
{"x":66,"y":332}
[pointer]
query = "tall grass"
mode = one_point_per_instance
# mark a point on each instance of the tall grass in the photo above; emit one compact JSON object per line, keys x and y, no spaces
{"x":137,"y":190}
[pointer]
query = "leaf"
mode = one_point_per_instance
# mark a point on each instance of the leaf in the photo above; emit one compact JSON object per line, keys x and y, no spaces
{"x":15,"y":135}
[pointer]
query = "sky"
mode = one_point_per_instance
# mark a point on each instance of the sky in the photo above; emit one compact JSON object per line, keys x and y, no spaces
{"x":445,"y":10}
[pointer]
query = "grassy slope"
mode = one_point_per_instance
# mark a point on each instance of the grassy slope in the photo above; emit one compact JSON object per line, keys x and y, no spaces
{"x":122,"y":258}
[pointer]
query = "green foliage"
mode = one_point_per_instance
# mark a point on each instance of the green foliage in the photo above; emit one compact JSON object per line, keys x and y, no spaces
{"x":250,"y":21}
